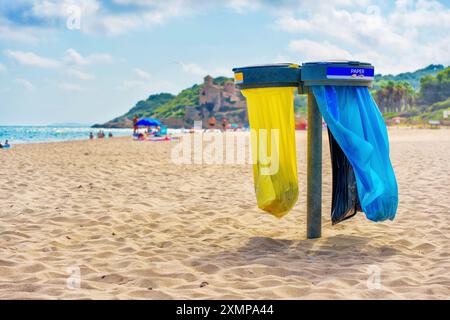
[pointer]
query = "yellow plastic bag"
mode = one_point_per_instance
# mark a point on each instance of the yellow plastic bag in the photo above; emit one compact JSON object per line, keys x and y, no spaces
{"x":271,"y":117}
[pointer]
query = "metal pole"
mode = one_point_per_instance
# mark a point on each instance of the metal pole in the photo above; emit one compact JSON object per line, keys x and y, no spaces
{"x":314,"y":170}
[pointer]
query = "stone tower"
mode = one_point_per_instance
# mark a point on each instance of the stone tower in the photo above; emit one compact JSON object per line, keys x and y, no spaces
{"x":210,"y":95}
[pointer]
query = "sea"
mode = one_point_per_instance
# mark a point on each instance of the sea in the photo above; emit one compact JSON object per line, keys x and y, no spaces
{"x":38,"y":134}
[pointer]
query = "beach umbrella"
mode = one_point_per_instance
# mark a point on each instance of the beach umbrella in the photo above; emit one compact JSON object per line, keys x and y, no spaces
{"x":148,"y":122}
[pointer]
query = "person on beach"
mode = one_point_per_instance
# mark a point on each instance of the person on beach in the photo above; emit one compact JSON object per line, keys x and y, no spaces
{"x":100,"y":134}
{"x":224,"y":124}
{"x":7,"y":145}
{"x":212,"y":122}
{"x":91,"y":136}
{"x":1,"y":146}
{"x":110,"y":135}
{"x":135,"y":120}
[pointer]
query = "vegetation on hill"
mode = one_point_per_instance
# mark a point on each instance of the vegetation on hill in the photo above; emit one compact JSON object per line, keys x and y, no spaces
{"x":175,"y":107}
{"x":413,"y":78}
{"x":392,"y":96}
{"x":143,"y":108}
{"x":434,"y":88}
{"x":428,"y":103}
{"x":162,"y":105}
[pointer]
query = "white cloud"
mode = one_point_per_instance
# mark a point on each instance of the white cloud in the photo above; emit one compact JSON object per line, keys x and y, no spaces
{"x":70,"y":87}
{"x":61,"y":8}
{"x":133,"y":84}
{"x":80,"y":75}
{"x":309,"y":50}
{"x":72,"y":57}
{"x":143,"y":84}
{"x":141,"y":73}
{"x":99,"y":58}
{"x":25,"y":84}
{"x":2,"y":67}
{"x":193,"y":68}
{"x":222,"y":71}
{"x":291,"y":24}
{"x":97,"y":16}
{"x":16,"y":33}
{"x":49,"y":9}
{"x":75,"y":58}
{"x":116,"y":25}
{"x":242,"y":6}
{"x":147,"y":87}
{"x":31,"y":59}
{"x":198,"y":70}
{"x":53,"y":14}
{"x":411,"y":34}
{"x":421,"y":14}
{"x":97,"y":19}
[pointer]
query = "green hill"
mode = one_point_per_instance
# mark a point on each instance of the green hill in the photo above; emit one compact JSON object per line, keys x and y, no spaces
{"x":175,"y":107}
{"x":161,"y":106}
{"x":398,"y":98}
{"x":145,"y":107}
{"x":413,"y":78}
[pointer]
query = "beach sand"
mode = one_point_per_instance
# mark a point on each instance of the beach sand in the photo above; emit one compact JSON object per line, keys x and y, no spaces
{"x":134,"y":225}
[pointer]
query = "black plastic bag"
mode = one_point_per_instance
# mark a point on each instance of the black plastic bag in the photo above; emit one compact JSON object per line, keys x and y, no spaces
{"x":345,"y":203}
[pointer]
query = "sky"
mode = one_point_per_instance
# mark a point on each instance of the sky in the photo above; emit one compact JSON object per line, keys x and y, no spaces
{"x":88,"y":61}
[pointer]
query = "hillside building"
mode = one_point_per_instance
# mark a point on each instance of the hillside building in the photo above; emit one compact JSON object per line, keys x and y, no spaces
{"x":220,"y":101}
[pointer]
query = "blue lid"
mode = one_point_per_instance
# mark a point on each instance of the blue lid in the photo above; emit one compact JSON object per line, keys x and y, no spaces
{"x":264,"y":76}
{"x":340,"y":73}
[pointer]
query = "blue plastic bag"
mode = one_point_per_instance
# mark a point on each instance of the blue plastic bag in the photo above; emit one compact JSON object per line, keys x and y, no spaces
{"x":358,"y":127}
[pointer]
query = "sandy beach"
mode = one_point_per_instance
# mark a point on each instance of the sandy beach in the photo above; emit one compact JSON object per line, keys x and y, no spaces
{"x":134,"y":225}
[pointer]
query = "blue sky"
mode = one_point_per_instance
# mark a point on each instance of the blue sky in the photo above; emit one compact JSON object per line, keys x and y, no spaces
{"x":90,"y":60}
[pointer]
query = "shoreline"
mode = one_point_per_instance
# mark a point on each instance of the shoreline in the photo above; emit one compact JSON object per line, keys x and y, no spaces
{"x":20,"y":135}
{"x":61,"y":141}
{"x":389,"y":128}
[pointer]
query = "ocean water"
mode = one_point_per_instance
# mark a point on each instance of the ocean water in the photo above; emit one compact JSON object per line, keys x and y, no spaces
{"x":33,"y":134}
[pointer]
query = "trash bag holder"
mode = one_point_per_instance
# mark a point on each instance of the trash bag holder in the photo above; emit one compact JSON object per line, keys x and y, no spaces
{"x":335,"y":73}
